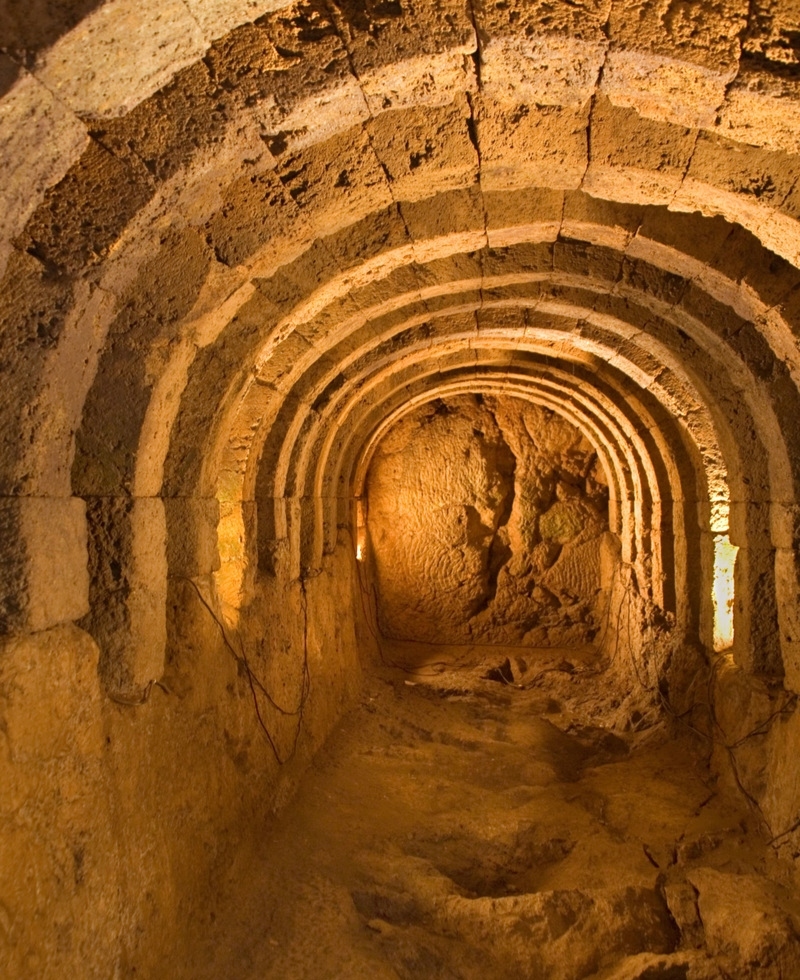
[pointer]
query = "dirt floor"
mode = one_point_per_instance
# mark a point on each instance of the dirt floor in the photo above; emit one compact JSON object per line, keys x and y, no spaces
{"x":460,"y":825}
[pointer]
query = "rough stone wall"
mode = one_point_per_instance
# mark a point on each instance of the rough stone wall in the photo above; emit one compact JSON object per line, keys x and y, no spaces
{"x":125,"y":824}
{"x":485,"y":516}
{"x":332,"y":208}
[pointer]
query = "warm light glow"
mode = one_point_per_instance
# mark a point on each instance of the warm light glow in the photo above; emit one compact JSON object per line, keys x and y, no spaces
{"x":722,"y":595}
{"x":229,"y":577}
{"x":361,"y":529}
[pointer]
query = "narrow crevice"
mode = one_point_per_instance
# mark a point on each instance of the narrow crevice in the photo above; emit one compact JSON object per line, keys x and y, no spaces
{"x":498,"y":552}
{"x":384,"y":168}
{"x":698,"y":133}
{"x":593,"y":101}
{"x":477,"y":54}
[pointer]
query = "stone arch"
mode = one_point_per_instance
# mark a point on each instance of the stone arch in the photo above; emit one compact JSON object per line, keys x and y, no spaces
{"x":250,"y":234}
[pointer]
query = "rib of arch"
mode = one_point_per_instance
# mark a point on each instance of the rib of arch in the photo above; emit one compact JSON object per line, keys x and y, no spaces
{"x":282,"y":444}
{"x":587,"y":288}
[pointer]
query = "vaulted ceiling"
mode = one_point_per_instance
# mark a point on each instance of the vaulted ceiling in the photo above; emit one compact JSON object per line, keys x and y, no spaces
{"x":239,"y":239}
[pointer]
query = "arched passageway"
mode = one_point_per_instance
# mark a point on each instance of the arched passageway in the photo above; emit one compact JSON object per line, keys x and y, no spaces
{"x":254,"y":254}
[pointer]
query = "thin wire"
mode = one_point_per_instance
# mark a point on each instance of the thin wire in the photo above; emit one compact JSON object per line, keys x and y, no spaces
{"x":255,"y":683}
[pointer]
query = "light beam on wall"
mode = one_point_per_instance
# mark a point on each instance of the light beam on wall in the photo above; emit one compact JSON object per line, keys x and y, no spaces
{"x":229,"y":577}
{"x":361,"y":530}
{"x":722,"y":595}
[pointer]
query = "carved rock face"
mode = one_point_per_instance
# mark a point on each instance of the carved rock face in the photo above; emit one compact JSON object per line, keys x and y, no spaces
{"x":485,"y":516}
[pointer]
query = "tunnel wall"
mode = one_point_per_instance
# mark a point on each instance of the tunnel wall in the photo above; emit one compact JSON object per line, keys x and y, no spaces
{"x":236,"y":240}
{"x":125,"y":822}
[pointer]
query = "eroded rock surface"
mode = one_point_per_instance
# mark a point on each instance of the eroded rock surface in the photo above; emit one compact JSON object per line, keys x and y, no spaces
{"x":462,"y":827}
{"x":485,"y":516}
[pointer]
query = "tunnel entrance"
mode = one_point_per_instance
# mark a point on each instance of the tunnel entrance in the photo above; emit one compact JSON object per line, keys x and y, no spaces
{"x":485,"y":516}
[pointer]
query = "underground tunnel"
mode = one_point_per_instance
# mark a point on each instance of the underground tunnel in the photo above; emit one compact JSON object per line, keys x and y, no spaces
{"x":398,"y":514}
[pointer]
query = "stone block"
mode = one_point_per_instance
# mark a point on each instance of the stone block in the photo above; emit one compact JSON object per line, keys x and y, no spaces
{"x":307,"y":122}
{"x":526,"y":257}
{"x":380,"y":326}
{"x":765,"y":40}
{"x":62,"y":662}
{"x":394,"y":35}
{"x":164,"y":133}
{"x":665,"y":89}
{"x":432,"y":80}
{"x":398,"y":287}
{"x":526,"y":145}
{"x":254,"y":211}
{"x":84,"y":214}
{"x":337,"y":181}
{"x":600,"y":222}
{"x":44,"y":579}
{"x":700,"y":35}
{"x":217,"y":17}
{"x":453,"y":268}
{"x":784,"y":522}
{"x":625,"y":309}
{"x":789,"y":206}
{"x":276,"y":365}
{"x":247,"y":53}
{"x":426,"y":150}
{"x":456,"y":213}
{"x":308,"y":274}
{"x":759,"y":110}
{"x":531,"y":214}
{"x":339,"y":316}
{"x":584,"y":19}
{"x":364,"y":242}
{"x":787,"y":588}
{"x":704,"y":239}
{"x":120,"y":54}
{"x":729,"y":331}
{"x":636,"y":160}
{"x":610,"y":557}
{"x":673,"y":63}
{"x":760,"y":176}
{"x":781,"y":803}
{"x":761,"y":272}
{"x":34,"y":307}
{"x":758,"y":641}
{"x":542,"y":69}
{"x":498,"y":322}
{"x":30,"y":115}
{"x":128,"y":566}
{"x":192,"y":535}
{"x":295,"y":75}
{"x":545,"y":55}
{"x":584,"y":259}
{"x":651,"y":282}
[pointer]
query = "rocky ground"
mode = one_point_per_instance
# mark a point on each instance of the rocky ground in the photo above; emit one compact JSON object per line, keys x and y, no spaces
{"x":478,"y":820}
